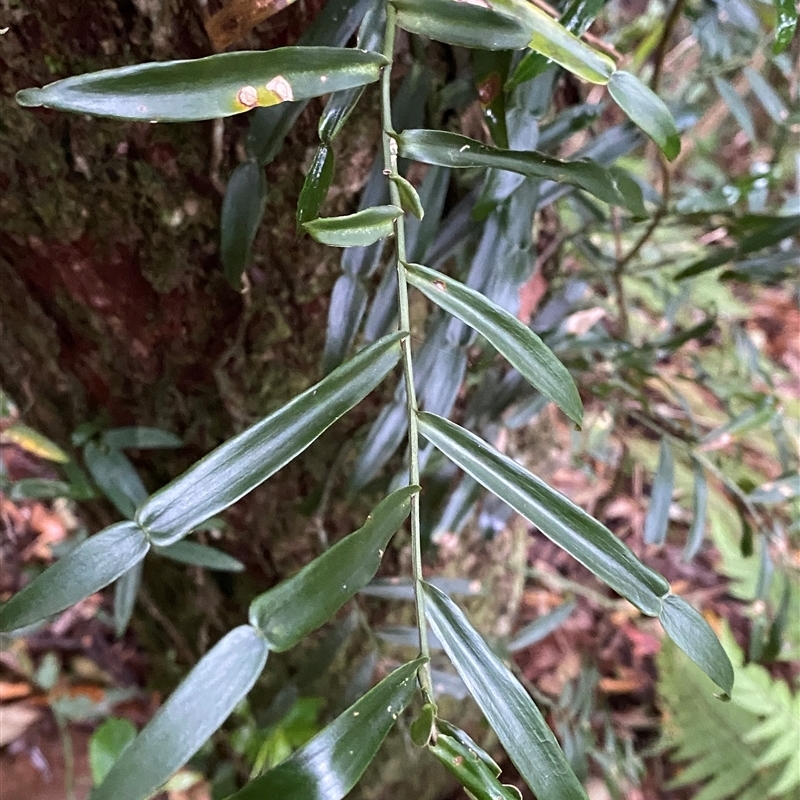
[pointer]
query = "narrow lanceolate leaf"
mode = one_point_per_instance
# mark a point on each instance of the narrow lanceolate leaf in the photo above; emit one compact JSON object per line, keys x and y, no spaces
{"x":139,"y":437}
{"x":184,"y":723}
{"x":472,"y":25}
{"x":206,"y":88}
{"x":345,"y":312}
{"x":508,"y":708}
{"x":200,"y":555}
{"x":553,"y":40}
{"x":472,"y":773}
{"x":542,"y":627}
{"x":646,"y":110}
{"x":316,"y":185}
{"x":126,"y":590}
{"x":569,"y":526}
{"x":524,"y":350}
{"x":785,"y":24}
{"x":341,"y":104}
{"x":409,"y":199}
{"x":769,"y":231}
{"x":299,"y":605}
{"x":687,"y":628}
{"x":657,"y":520}
{"x":242,"y":210}
{"x":696,"y":533}
{"x":33,"y":442}
{"x":242,"y":463}
{"x":330,"y":765}
{"x":355,"y":230}
{"x":106,"y":744}
{"x":85,"y":570}
{"x":577,"y":17}
{"x":453,"y":150}
{"x":116,"y":477}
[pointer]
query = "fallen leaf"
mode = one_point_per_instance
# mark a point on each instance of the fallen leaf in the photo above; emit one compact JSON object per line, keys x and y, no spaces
{"x":15,"y":719}
{"x":13,"y":691}
{"x":581,"y":322}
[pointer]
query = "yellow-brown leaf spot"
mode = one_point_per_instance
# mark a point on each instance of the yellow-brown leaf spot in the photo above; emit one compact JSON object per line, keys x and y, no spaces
{"x":247,"y":96}
{"x":282,"y":88}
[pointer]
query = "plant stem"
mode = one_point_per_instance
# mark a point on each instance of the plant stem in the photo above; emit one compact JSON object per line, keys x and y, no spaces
{"x":390,"y":169}
{"x":663,"y":42}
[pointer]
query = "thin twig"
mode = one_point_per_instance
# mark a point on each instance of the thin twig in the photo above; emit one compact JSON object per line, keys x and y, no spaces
{"x":658,"y":215}
{"x":660,"y":51}
{"x":623,"y":325}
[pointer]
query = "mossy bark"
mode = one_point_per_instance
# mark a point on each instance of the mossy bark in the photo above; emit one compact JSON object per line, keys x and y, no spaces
{"x":113,"y":307}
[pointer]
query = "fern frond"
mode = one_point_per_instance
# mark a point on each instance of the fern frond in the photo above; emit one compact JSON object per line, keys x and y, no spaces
{"x":746,"y":749}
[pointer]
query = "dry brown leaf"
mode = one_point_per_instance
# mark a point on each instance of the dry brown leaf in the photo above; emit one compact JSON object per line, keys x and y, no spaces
{"x":581,"y":322}
{"x":238,"y":17}
{"x":13,"y":691}
{"x":15,"y":719}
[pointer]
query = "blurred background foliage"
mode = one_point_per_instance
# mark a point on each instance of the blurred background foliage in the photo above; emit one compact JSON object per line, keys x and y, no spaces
{"x":680,"y":325}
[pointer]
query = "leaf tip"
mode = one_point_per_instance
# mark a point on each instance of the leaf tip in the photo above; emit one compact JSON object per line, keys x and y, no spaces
{"x":29,"y":98}
{"x":672,"y":146}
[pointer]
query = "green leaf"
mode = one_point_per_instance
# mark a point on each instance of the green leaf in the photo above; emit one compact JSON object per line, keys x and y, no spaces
{"x":39,"y":489}
{"x":541,"y":627}
{"x":490,"y":74}
{"x":508,"y":708}
{"x":93,"y":564}
{"x":773,"y":492}
{"x":553,"y":40}
{"x":355,"y":230}
{"x":453,"y":150}
{"x":767,"y":96}
{"x":193,"y":712}
{"x":424,"y":726}
{"x":331,"y":764}
{"x":569,"y":526}
{"x":657,"y":520}
{"x":341,"y":104}
{"x":345,"y":310}
{"x":299,"y":605}
{"x":409,"y":199}
{"x":769,"y":231}
{"x":470,"y":770}
{"x":141,"y":438}
{"x":462,"y":24}
{"x":242,"y":210}
{"x":785,"y":24}
{"x":696,"y":533}
{"x":106,"y":744}
{"x":33,"y":442}
{"x":577,"y":18}
{"x":242,"y":463}
{"x":687,"y":628}
{"x":750,"y":419}
{"x":646,"y":110}
{"x":116,"y":477}
{"x":630,"y":190}
{"x":200,"y":555}
{"x":738,"y":107}
{"x":332,"y":26}
{"x":523,"y":349}
{"x":207,"y":88}
{"x":316,"y":185}
{"x":126,"y":590}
